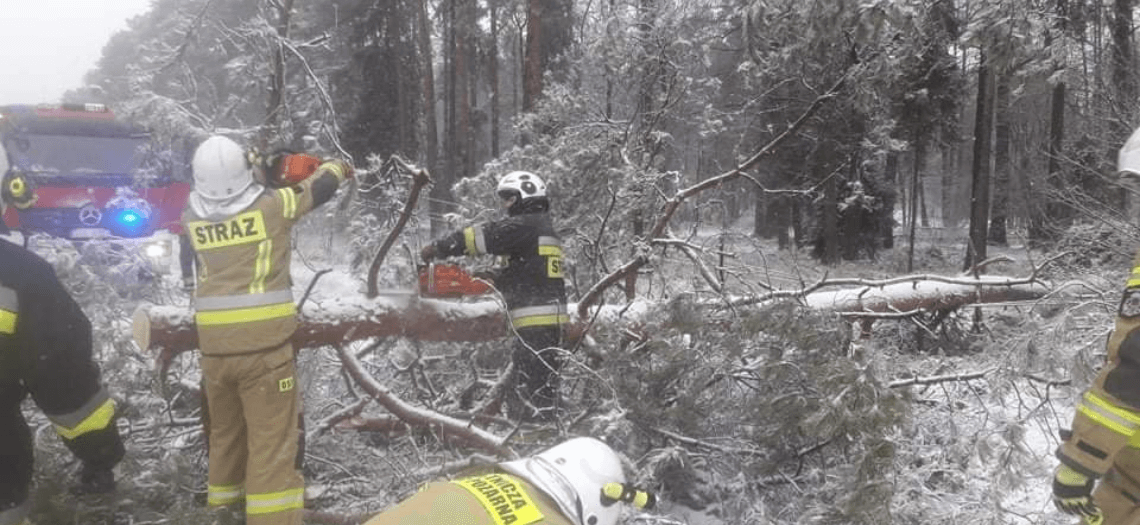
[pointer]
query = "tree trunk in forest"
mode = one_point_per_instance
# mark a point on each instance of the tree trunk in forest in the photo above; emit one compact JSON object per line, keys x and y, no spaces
{"x":950,"y":178}
{"x":912,"y":202}
{"x":458,"y":129}
{"x":493,"y":71}
{"x":1046,"y":212}
{"x":431,"y":131}
{"x":1123,"y":65}
{"x":830,"y":222}
{"x":980,"y":169}
{"x":548,"y":35}
{"x":999,"y":210}
{"x":532,"y":58}
{"x":888,"y":232}
{"x":1124,"y":83}
{"x":271,"y":128}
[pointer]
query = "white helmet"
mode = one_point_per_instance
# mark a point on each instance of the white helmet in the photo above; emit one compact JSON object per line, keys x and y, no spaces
{"x":522,"y":184}
{"x":573,"y":473}
{"x":221,"y":168}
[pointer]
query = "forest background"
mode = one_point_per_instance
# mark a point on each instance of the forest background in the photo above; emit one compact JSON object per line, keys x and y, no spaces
{"x":715,"y":165}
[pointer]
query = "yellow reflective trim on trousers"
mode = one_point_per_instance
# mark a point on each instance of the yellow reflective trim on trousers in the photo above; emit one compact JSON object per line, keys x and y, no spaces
{"x":223,"y":494}
{"x":256,"y":504}
{"x":245,"y":315}
{"x":540,"y":320}
{"x":1108,"y":415}
{"x":262,"y":266}
{"x":7,"y":322}
{"x":98,"y":420}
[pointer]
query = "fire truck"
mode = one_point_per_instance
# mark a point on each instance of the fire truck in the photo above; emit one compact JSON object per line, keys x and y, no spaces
{"x":95,"y":178}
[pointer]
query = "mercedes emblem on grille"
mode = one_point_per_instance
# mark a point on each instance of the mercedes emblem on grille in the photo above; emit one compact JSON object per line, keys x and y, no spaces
{"x":90,"y":215}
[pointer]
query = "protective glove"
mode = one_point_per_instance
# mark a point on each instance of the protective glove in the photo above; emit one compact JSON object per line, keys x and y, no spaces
{"x":1072,"y":494}
{"x":188,"y":284}
{"x":428,"y":252}
{"x":94,"y":481}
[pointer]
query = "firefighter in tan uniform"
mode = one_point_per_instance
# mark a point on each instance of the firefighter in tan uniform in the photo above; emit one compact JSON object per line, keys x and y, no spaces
{"x":578,"y":482}
{"x":245,"y":315}
{"x":1104,"y":443}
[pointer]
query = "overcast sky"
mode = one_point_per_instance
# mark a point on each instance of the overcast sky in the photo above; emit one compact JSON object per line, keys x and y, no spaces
{"x":46,"y":46}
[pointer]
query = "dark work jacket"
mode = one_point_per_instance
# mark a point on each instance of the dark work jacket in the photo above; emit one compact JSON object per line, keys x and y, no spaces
{"x":532,"y":281}
{"x":45,"y":350}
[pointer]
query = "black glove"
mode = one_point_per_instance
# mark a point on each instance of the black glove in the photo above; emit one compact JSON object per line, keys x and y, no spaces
{"x":94,"y":480}
{"x":1072,"y":494}
{"x":428,"y":252}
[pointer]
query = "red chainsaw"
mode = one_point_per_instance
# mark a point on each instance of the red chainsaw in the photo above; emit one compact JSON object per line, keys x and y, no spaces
{"x":450,"y":281}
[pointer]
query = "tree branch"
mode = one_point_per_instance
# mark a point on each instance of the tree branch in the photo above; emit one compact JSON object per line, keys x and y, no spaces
{"x":420,"y":178}
{"x":447,"y":426}
{"x":593,"y":295}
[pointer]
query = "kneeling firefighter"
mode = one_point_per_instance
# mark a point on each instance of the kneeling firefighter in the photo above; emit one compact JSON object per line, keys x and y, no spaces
{"x":577,"y":482}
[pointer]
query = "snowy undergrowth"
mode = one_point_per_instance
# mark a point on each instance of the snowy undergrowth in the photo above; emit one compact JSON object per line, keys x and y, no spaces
{"x":758,"y":415}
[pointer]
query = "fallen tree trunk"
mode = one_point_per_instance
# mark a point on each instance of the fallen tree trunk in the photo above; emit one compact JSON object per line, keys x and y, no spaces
{"x":330,"y":322}
{"x":171,"y":330}
{"x":926,"y":295}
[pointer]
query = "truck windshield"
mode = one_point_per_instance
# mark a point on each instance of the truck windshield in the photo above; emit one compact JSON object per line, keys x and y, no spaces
{"x":77,"y":155}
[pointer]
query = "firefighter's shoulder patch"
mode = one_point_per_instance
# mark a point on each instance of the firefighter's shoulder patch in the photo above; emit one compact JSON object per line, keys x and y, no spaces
{"x":1130,"y":303}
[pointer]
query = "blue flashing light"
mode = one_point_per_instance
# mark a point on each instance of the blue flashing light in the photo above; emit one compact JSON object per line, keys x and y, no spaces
{"x":129,"y":217}
{"x":129,"y":223}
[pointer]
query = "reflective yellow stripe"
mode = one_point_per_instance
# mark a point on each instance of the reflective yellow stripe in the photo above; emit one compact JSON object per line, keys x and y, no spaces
{"x":473,"y":239}
{"x":98,"y":420}
{"x":245,"y":315}
{"x":9,"y":308}
{"x":504,"y":499}
{"x":262,"y":266}
{"x":540,"y":320}
{"x":223,"y":494}
{"x":1067,"y":476}
{"x":1134,"y":278}
{"x":275,"y":501}
{"x":547,"y":251}
{"x":7,"y":322}
{"x":335,"y":168}
{"x":1108,"y":415}
{"x":288,"y":202}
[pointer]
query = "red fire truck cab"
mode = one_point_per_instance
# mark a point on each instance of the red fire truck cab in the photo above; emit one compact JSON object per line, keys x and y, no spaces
{"x":95,"y":177}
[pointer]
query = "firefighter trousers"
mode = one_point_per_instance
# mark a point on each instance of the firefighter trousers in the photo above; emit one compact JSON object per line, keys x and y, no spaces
{"x":1118,"y":494}
{"x":537,"y":358}
{"x":16,"y":456}
{"x":254,"y":405}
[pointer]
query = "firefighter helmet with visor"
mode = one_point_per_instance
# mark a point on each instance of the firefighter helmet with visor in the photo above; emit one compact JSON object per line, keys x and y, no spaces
{"x":573,"y":473}
{"x":222,"y":169}
{"x":521,"y":184}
